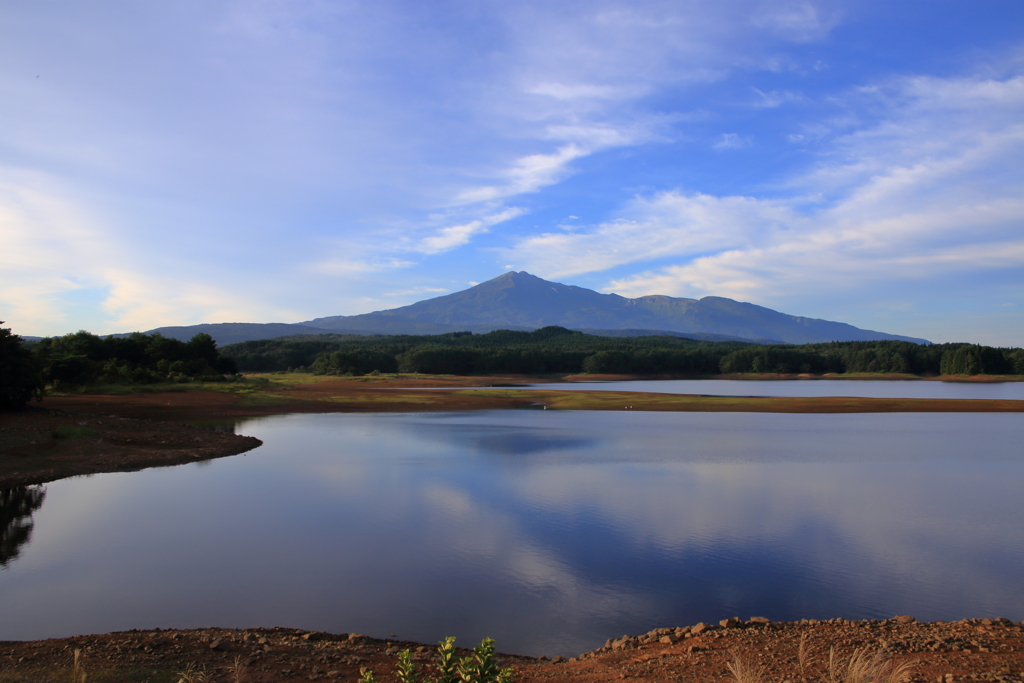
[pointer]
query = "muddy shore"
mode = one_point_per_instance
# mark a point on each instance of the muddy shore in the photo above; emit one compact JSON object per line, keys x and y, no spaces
{"x":969,"y":650}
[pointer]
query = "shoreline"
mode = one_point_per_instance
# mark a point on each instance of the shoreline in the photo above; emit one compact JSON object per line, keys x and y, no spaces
{"x":139,"y":427}
{"x":985,"y":649}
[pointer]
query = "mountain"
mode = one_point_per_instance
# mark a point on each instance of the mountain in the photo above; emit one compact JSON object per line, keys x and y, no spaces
{"x":523,"y":301}
{"x":520,"y":301}
{"x":229,"y":333}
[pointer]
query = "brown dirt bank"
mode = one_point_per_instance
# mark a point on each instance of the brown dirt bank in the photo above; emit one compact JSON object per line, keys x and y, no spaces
{"x":40,"y":445}
{"x":628,"y":400}
{"x":968,"y":650}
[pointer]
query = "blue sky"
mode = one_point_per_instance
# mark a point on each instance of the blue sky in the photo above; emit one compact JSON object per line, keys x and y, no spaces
{"x":260,"y":161}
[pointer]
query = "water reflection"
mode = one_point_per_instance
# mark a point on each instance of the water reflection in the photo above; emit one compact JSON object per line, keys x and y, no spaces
{"x":16,"y":507}
{"x":550,"y":531}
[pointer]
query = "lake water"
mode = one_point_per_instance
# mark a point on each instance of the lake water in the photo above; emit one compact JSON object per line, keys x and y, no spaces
{"x":550,"y":531}
{"x":816,"y":387}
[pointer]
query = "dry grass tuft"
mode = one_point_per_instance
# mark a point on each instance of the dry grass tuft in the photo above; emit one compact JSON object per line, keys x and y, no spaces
{"x":194,"y":674}
{"x":77,"y":669}
{"x":865,"y":667}
{"x":744,"y":671}
{"x":238,"y":671}
{"x":802,"y":654}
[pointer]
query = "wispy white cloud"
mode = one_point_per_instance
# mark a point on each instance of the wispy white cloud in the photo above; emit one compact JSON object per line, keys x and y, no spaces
{"x":527,"y":174}
{"x":933,"y":189}
{"x":732,"y":141}
{"x":774,"y":98}
{"x":454,"y":236}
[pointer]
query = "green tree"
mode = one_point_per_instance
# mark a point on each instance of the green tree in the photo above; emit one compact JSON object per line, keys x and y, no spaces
{"x":21,"y":378}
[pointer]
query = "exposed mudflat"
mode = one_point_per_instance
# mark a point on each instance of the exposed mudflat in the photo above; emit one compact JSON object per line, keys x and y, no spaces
{"x":40,"y":445}
{"x":969,"y":650}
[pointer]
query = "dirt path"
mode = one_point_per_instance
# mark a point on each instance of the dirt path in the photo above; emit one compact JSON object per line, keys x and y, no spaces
{"x":969,"y":650}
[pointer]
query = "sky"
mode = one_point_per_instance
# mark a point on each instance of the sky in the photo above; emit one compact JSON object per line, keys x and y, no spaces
{"x":191,"y":161}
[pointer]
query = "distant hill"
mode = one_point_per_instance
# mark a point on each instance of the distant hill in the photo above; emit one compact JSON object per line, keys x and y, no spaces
{"x":523,"y":301}
{"x":520,"y":301}
{"x":229,"y":333}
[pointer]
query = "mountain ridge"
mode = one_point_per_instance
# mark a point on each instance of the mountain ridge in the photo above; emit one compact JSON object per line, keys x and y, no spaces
{"x":521,"y":301}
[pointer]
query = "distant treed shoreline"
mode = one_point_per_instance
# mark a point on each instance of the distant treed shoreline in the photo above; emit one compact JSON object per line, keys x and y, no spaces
{"x":83,"y":359}
{"x":559,"y":350}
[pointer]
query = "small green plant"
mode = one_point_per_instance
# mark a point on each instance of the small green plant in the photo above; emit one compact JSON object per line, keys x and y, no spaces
{"x":406,"y":669}
{"x":446,"y":664}
{"x":479,"y":667}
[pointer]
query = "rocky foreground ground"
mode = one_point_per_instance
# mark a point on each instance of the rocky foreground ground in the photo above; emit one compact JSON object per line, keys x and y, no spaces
{"x":798,"y":652}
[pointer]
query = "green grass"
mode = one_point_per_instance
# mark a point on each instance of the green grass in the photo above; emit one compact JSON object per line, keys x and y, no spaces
{"x":69,"y":432}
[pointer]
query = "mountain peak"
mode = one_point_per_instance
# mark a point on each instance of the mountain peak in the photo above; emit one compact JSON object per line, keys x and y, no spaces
{"x":519,"y":300}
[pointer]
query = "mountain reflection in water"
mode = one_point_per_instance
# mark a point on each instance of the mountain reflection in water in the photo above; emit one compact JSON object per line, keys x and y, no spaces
{"x":550,"y":531}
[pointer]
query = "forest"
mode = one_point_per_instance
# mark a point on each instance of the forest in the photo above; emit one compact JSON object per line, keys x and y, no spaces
{"x":559,"y":350}
{"x":83,"y":359}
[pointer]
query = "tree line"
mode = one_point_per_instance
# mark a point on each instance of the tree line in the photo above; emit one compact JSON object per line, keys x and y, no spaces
{"x":559,"y":350}
{"x":84,"y":359}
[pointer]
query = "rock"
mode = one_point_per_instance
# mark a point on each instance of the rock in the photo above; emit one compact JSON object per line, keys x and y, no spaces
{"x":731,"y":622}
{"x":158,"y":641}
{"x":668,"y":639}
{"x":220,"y":645}
{"x":313,"y":635}
{"x":334,"y":674}
{"x":356,"y":636}
{"x":699,"y":628}
{"x":760,"y":620}
{"x":557,"y":659}
{"x":905,"y":619}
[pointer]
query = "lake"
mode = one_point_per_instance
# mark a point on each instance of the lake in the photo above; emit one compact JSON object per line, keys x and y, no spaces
{"x":550,"y":531}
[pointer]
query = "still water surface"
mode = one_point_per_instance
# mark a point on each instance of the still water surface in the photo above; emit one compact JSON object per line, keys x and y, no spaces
{"x":550,"y":531}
